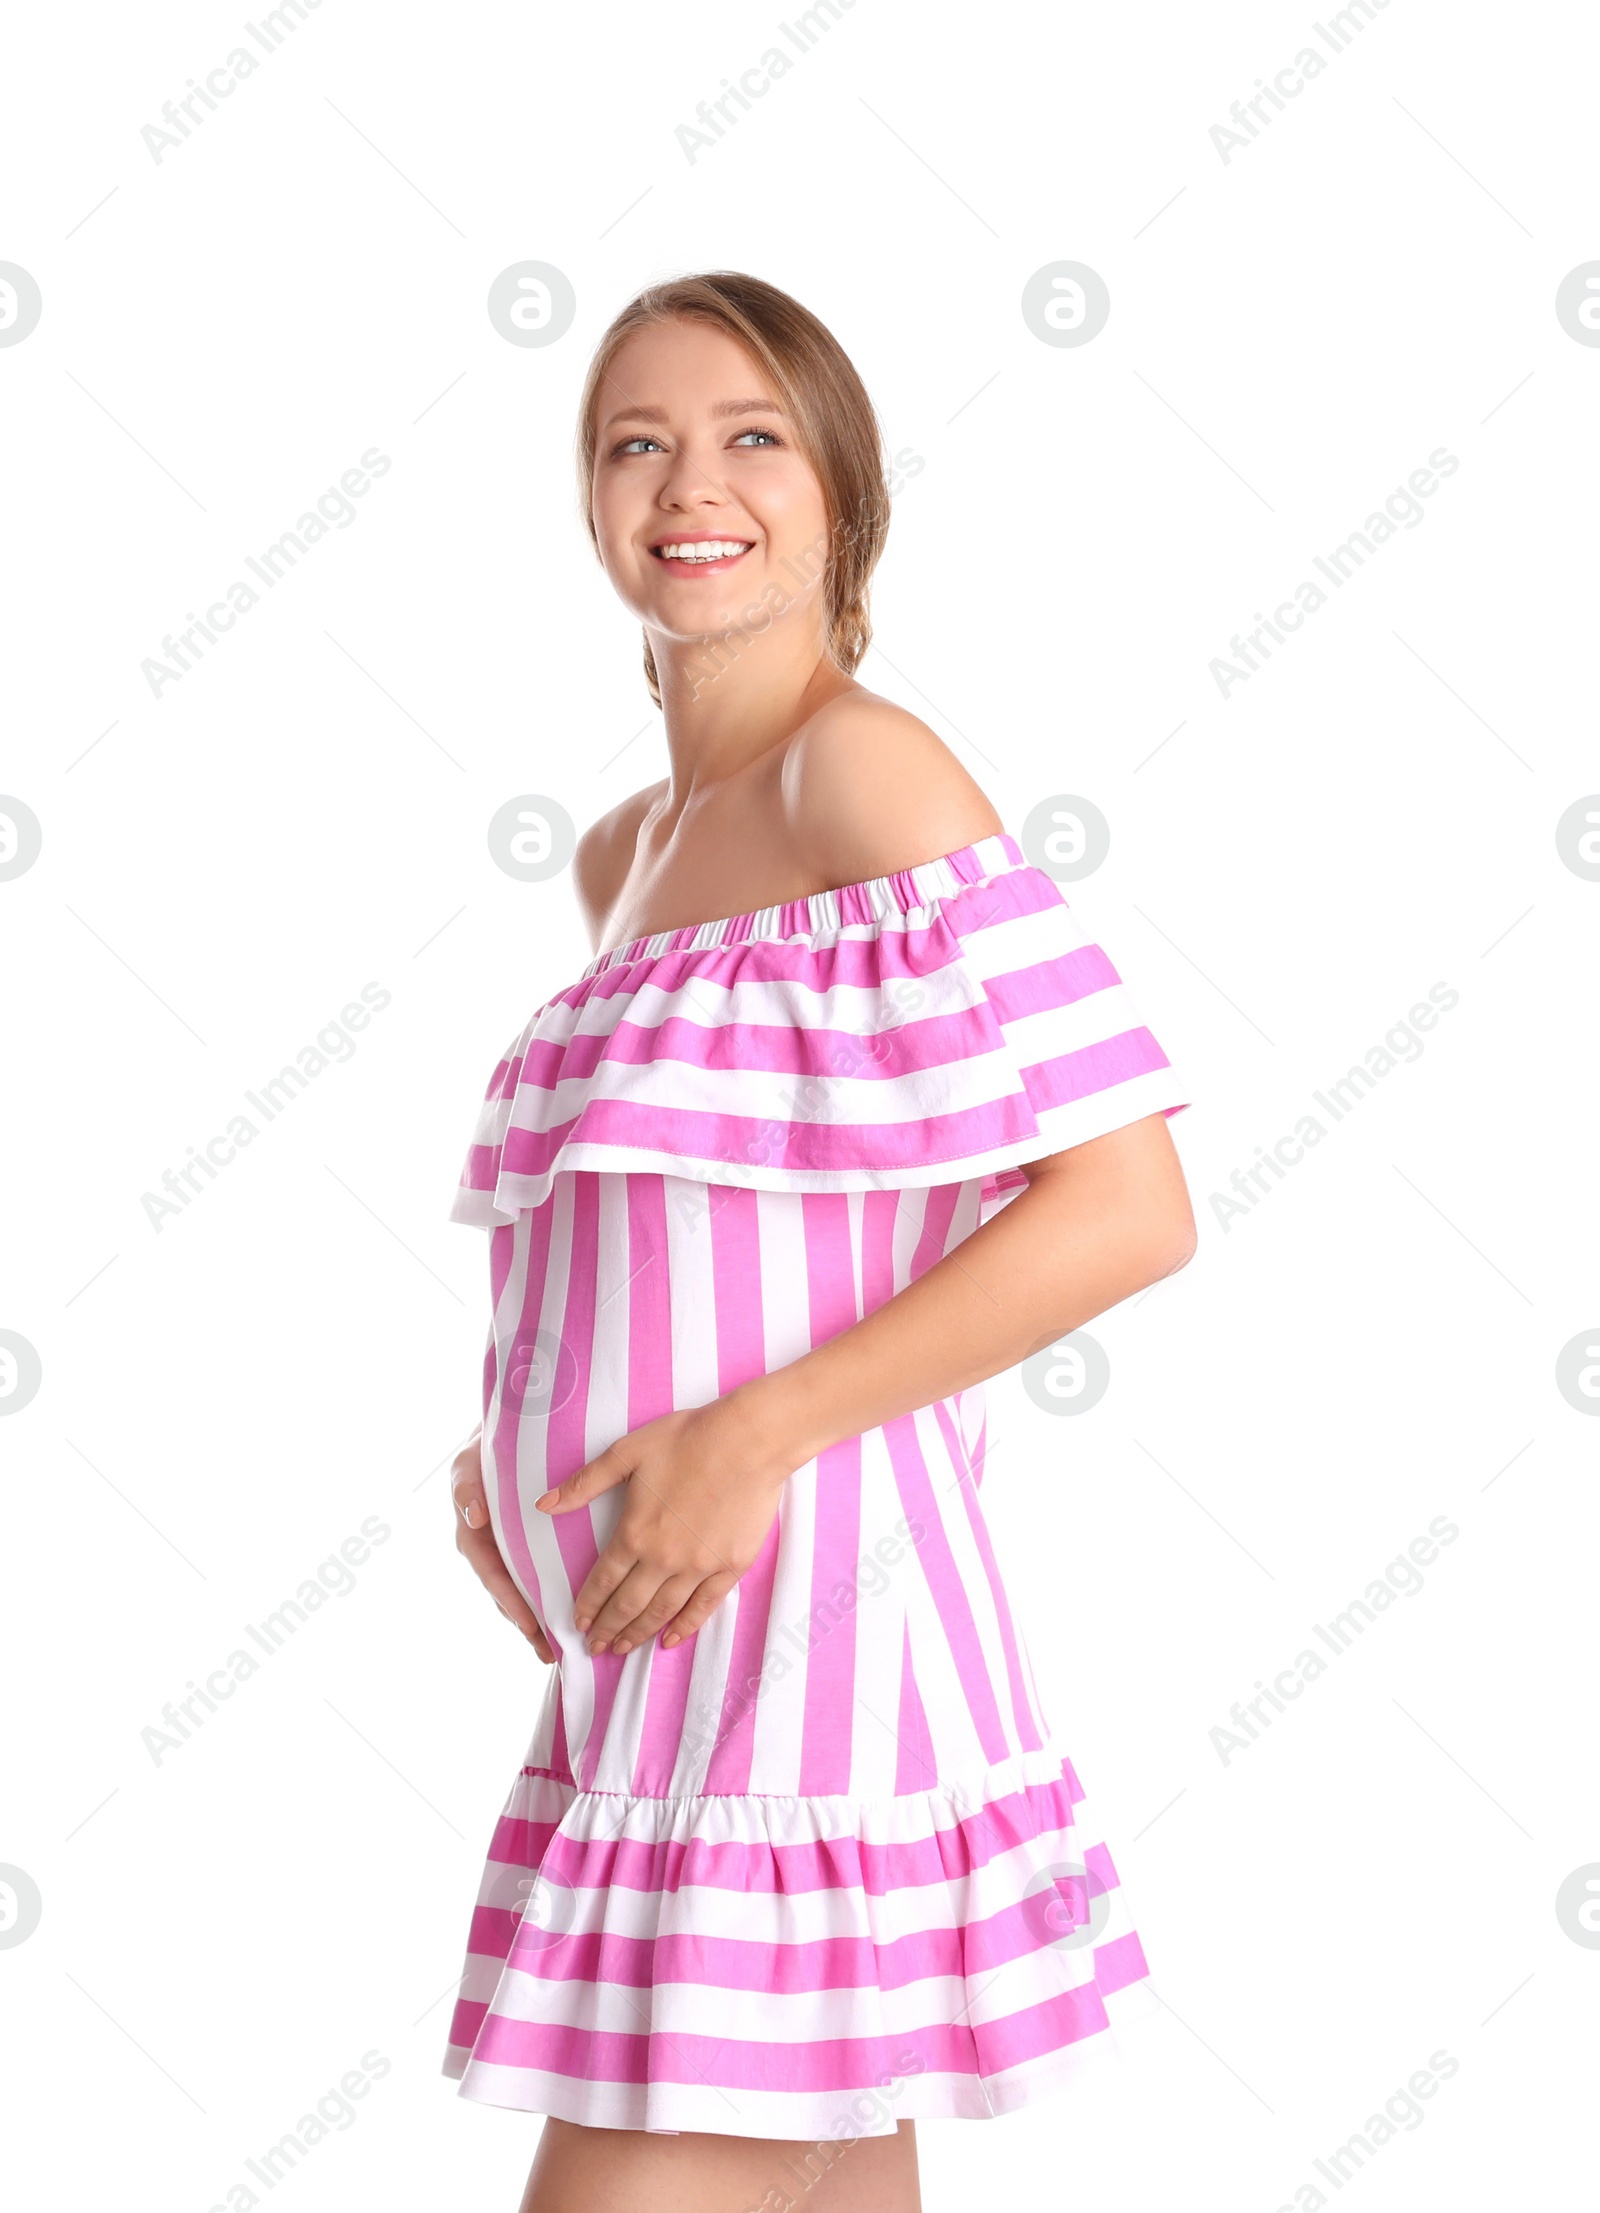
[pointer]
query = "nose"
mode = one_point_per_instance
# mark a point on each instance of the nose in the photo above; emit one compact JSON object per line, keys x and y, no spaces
{"x":691,"y":482}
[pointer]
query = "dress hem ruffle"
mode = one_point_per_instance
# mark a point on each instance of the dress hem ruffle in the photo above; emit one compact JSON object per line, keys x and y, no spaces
{"x":792,"y":1967}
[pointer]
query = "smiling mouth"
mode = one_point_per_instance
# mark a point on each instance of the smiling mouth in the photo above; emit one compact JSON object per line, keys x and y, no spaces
{"x":687,"y":556}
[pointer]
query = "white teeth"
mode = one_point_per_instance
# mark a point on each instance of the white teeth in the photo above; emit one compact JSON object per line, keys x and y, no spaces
{"x":707,"y":549}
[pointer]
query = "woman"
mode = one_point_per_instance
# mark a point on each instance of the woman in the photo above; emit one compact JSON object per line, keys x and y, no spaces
{"x":793,"y":1860}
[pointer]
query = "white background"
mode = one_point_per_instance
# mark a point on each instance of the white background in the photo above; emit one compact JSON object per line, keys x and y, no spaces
{"x":226,"y":1932}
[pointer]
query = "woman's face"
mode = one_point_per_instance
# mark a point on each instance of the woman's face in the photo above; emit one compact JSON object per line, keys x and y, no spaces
{"x":708,"y":515}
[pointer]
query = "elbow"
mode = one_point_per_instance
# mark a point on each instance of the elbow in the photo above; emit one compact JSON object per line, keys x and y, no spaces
{"x":1170,"y":1242}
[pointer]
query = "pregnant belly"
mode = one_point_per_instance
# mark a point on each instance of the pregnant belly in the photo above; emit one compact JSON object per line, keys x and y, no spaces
{"x":538,"y":1429}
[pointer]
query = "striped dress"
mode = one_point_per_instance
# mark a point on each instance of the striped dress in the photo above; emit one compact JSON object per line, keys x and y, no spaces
{"x":822,"y":1867}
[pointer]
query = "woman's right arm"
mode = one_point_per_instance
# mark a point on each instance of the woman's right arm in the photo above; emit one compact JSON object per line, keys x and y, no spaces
{"x":475,"y":1541}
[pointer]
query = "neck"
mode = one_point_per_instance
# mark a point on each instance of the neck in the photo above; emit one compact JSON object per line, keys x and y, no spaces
{"x":727,"y":700}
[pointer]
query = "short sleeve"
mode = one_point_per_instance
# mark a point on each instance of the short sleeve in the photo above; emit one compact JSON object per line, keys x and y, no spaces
{"x":1085,"y":1059}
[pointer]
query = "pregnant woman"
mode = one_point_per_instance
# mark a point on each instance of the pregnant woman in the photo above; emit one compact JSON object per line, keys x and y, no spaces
{"x":793,"y":1860}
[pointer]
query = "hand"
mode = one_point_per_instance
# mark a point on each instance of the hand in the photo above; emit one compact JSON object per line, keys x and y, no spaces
{"x":475,"y":1542}
{"x":703,"y":1493}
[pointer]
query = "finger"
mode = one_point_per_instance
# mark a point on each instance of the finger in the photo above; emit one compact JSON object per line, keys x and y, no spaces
{"x":483,"y":1556}
{"x":466,"y":1486}
{"x":521,"y":1616}
{"x":704,"y":1603}
{"x":597,"y":1586}
{"x":674,"y":1593}
{"x":603,"y":1473}
{"x":625,"y":1604}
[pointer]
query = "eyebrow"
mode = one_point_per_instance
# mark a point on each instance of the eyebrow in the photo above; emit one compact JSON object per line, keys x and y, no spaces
{"x":723,"y":407}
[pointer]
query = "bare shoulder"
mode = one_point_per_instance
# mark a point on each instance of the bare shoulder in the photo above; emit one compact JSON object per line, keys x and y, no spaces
{"x":868,"y":788}
{"x":604,"y":854}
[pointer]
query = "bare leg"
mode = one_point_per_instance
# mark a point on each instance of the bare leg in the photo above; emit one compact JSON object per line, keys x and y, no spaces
{"x":622,"y":2170}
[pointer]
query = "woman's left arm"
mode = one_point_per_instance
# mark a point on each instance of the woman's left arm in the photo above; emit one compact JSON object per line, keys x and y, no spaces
{"x":1096,"y":1224}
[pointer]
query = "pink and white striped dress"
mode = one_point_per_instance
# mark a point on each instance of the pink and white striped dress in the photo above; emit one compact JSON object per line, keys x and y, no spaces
{"x":822,"y":1867}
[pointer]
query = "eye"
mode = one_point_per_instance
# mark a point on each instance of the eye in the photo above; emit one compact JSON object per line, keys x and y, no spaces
{"x":632,"y":445}
{"x":771,"y":437}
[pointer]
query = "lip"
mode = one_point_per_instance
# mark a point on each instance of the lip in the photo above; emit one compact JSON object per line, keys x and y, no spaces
{"x":696,"y":538}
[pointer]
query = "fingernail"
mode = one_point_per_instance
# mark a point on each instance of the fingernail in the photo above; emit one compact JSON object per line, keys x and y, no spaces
{"x":599,"y":1645}
{"x":581,"y":1622}
{"x":673,"y":1636}
{"x":544,"y":1496}
{"x":473,"y":1506}
{"x":620,"y":1648}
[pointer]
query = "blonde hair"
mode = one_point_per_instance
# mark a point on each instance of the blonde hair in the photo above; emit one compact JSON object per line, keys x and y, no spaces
{"x":826,"y":402}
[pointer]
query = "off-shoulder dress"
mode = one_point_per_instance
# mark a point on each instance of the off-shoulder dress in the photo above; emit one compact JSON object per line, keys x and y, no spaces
{"x":821,"y":1867}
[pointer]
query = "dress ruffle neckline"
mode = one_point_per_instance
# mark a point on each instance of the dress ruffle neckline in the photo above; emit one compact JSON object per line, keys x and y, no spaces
{"x":942,"y":1023}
